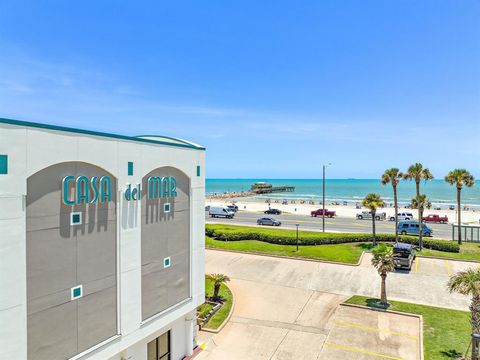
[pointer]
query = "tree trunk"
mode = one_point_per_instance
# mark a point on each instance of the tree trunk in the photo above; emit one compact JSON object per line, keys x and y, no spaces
{"x":383,"y":291}
{"x":395,"y":201}
{"x":420,"y":227}
{"x":374,"y":239}
{"x":216,"y":289}
{"x":420,"y":223}
{"x":475,"y":320}
{"x":459,"y":211}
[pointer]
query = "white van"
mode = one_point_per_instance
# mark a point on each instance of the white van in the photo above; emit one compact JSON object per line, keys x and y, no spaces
{"x":403,"y":216}
{"x":220,"y":211}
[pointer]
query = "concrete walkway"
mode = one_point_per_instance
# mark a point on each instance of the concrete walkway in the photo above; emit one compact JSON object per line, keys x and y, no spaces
{"x":425,"y":284}
{"x":289,"y":309}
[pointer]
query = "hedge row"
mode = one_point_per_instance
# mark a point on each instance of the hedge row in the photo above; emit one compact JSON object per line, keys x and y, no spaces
{"x":286,"y":237}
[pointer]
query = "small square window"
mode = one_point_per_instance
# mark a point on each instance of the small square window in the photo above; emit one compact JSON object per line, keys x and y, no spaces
{"x":167,"y":262}
{"x":3,"y":164}
{"x":76,"y":292}
{"x":76,"y":218}
{"x":167,"y":207}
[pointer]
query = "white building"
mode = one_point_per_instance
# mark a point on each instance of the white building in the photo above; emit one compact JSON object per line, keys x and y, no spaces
{"x":101,"y":244}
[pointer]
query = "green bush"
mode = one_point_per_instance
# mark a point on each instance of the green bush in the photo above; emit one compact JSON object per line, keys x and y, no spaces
{"x":288,"y":237}
{"x":440,"y":245}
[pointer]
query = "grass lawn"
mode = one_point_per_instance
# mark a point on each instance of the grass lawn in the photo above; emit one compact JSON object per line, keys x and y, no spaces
{"x":468,"y":251}
{"x":345,"y":253}
{"x":220,"y":316}
{"x":446,"y":332}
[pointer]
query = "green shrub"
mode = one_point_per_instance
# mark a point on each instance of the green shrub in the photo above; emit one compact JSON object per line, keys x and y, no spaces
{"x":440,"y":245}
{"x":288,"y":237}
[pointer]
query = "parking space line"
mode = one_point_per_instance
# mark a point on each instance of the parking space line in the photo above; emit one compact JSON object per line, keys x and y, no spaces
{"x":376,"y":330}
{"x":417,"y":260}
{"x":449,"y":269}
{"x":361,"y":351}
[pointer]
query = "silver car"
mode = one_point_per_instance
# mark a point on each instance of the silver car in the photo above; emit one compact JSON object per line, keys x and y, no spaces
{"x":367,"y":215}
{"x":268,"y":221}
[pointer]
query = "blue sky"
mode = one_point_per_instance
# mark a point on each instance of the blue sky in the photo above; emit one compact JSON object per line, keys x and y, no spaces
{"x":271,"y":88}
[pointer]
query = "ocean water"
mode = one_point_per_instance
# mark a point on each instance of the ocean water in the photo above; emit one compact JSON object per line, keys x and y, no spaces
{"x":350,"y":190}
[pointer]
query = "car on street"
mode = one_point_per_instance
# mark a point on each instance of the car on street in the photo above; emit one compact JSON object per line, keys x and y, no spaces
{"x":403,"y":256}
{"x":268,"y":221}
{"x":413,"y":228}
{"x":319,"y":212}
{"x":403,"y":216}
{"x":221,"y":211}
{"x":365,"y":215}
{"x":273,"y":212}
{"x":436,"y":219}
{"x":233,"y":207}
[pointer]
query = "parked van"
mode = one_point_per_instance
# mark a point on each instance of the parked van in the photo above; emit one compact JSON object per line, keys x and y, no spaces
{"x":221,"y":211}
{"x":402,"y":216}
{"x":412,"y":228}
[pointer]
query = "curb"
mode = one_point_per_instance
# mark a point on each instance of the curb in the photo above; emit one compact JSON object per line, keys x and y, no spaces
{"x":216,"y":331}
{"x":289,"y":257}
{"x":447,"y":258}
{"x":420,"y":317}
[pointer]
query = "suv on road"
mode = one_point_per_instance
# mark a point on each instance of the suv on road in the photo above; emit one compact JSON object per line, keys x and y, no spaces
{"x":403,"y":256}
{"x":233,"y":207}
{"x":364,"y":215}
{"x":413,"y":228}
{"x":403,"y":216}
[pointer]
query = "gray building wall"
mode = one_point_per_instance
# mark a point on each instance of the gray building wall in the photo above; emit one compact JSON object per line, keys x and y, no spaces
{"x":61,"y":256}
{"x":165,"y":235}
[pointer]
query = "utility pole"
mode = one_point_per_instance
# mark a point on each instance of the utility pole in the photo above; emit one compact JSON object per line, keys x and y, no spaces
{"x":323,"y":200}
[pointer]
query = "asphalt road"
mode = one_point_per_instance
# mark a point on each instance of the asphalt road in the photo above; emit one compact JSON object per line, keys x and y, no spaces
{"x":337,"y":224}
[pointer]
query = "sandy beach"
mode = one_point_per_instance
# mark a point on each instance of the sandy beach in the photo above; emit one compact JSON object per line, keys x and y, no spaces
{"x":253,"y":205}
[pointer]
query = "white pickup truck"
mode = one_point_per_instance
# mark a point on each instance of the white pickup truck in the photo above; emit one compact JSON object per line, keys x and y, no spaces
{"x":366,"y":215}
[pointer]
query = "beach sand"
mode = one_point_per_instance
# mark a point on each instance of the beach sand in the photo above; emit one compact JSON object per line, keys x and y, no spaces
{"x":468,"y":216}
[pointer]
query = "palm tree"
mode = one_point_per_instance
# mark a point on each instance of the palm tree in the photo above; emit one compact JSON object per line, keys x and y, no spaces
{"x":460,"y":177}
{"x":373,"y":202}
{"x":418,"y":173}
{"x":218,"y":280}
{"x":421,"y":203}
{"x":468,"y":283}
{"x":393,"y":176}
{"x":383,"y":261}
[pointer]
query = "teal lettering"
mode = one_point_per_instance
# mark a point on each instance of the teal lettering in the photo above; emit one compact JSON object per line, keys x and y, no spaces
{"x":153,"y":187}
{"x":65,"y":187}
{"x":83,"y":190}
{"x":105,"y":189}
{"x":173,"y":187}
{"x":165,"y":187}
{"x":94,"y":182}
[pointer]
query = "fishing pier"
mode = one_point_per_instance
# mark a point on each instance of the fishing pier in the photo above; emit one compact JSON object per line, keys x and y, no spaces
{"x":266,"y":188}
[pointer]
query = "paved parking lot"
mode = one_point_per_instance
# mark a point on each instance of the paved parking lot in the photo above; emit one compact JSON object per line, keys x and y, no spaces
{"x":287,"y":323}
{"x":289,"y":309}
{"x":366,"y":334}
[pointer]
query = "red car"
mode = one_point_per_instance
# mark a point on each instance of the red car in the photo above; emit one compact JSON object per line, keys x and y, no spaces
{"x":319,"y":212}
{"x":436,"y":219}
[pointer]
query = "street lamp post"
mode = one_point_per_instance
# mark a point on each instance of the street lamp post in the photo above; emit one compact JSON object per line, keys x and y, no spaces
{"x":323,"y":198}
{"x":475,"y":346}
{"x":297,"y":225}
